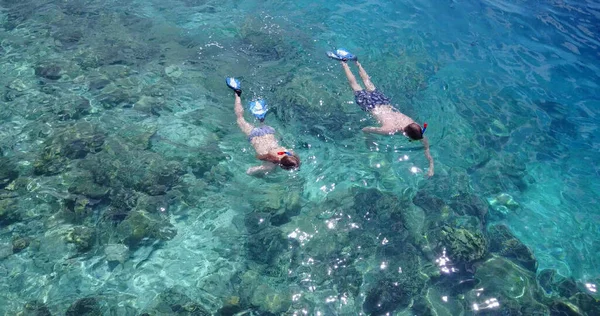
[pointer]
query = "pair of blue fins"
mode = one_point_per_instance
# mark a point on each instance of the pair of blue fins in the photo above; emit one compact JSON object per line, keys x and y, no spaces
{"x":259,"y":107}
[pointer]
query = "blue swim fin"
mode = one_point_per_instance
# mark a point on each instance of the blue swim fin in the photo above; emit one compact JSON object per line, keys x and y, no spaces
{"x":341,"y":54}
{"x":234,"y":84}
{"x":259,"y":109}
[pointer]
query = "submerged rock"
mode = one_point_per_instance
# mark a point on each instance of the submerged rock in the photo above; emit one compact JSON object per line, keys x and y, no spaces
{"x":116,"y":252}
{"x":437,"y":301}
{"x":9,"y":211}
{"x":403,"y":256}
{"x":271,"y":300}
{"x":257,"y":221}
{"x":139,"y":170}
{"x":98,"y":84}
{"x":374,"y":207}
{"x":565,"y":308}
{"x":8,"y":172}
{"x":5,"y":250}
{"x":266,"y":246}
{"x":266,"y":42}
{"x":82,"y":237}
{"x":83,"y":184}
{"x":555,"y":284}
{"x":386,"y":297}
{"x":348,"y":280}
{"x":206,"y":159}
{"x":513,"y":287}
{"x":84,"y":307}
{"x":504,"y":243}
{"x":73,"y":142}
{"x":296,"y":100}
{"x":173,"y":71}
{"x":503,"y":204}
{"x":150,"y":105}
{"x":140,"y":225}
{"x":78,"y":208}
{"x":431,"y":204}
{"x":35,"y":308}
{"x":173,"y":302}
{"x":469,"y":204}
{"x":587,"y":303}
{"x":116,"y":98}
{"x":72,"y":109}
{"x":19,"y":243}
{"x":281,"y":203}
{"x":52,"y":72}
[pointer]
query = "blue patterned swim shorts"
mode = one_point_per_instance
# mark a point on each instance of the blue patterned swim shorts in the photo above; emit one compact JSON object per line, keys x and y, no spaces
{"x":368,"y":100}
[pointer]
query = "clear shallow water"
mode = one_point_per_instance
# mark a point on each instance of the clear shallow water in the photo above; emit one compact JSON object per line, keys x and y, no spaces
{"x":135,"y":143}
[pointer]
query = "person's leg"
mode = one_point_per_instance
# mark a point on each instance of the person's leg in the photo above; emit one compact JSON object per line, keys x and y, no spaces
{"x":351,"y":79}
{"x":239,"y":113}
{"x":365,"y":78}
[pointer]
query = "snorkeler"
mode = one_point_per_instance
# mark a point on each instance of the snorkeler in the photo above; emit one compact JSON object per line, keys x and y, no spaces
{"x":262,"y":137}
{"x":371,"y":100}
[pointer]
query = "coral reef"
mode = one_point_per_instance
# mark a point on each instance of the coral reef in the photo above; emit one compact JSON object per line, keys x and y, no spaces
{"x":139,"y":170}
{"x":463,"y":245}
{"x":73,"y":142}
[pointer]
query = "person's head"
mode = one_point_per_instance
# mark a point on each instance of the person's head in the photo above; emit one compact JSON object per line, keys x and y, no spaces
{"x":289,"y":161}
{"x":413,"y":131}
{"x":285,"y":159}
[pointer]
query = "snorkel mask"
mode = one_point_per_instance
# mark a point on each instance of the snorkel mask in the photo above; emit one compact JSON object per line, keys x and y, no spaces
{"x":259,"y":109}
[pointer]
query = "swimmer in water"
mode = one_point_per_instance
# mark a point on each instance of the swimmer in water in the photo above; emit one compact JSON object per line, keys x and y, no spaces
{"x":262,"y":137}
{"x":371,"y":100}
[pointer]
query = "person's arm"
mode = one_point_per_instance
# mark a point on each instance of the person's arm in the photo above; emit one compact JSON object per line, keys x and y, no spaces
{"x":428,"y":156}
{"x":262,"y":169}
{"x":239,"y":113}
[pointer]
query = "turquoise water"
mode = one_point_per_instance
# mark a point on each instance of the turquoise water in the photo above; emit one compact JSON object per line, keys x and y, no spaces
{"x":123,"y":188}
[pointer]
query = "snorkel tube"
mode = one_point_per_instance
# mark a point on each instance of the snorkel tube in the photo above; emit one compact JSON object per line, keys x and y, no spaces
{"x":423,"y":129}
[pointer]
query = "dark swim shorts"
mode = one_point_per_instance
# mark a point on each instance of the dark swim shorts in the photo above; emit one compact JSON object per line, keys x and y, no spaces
{"x":368,"y":100}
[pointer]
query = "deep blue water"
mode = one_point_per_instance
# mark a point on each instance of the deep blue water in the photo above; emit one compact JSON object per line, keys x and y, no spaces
{"x":123,"y":171}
